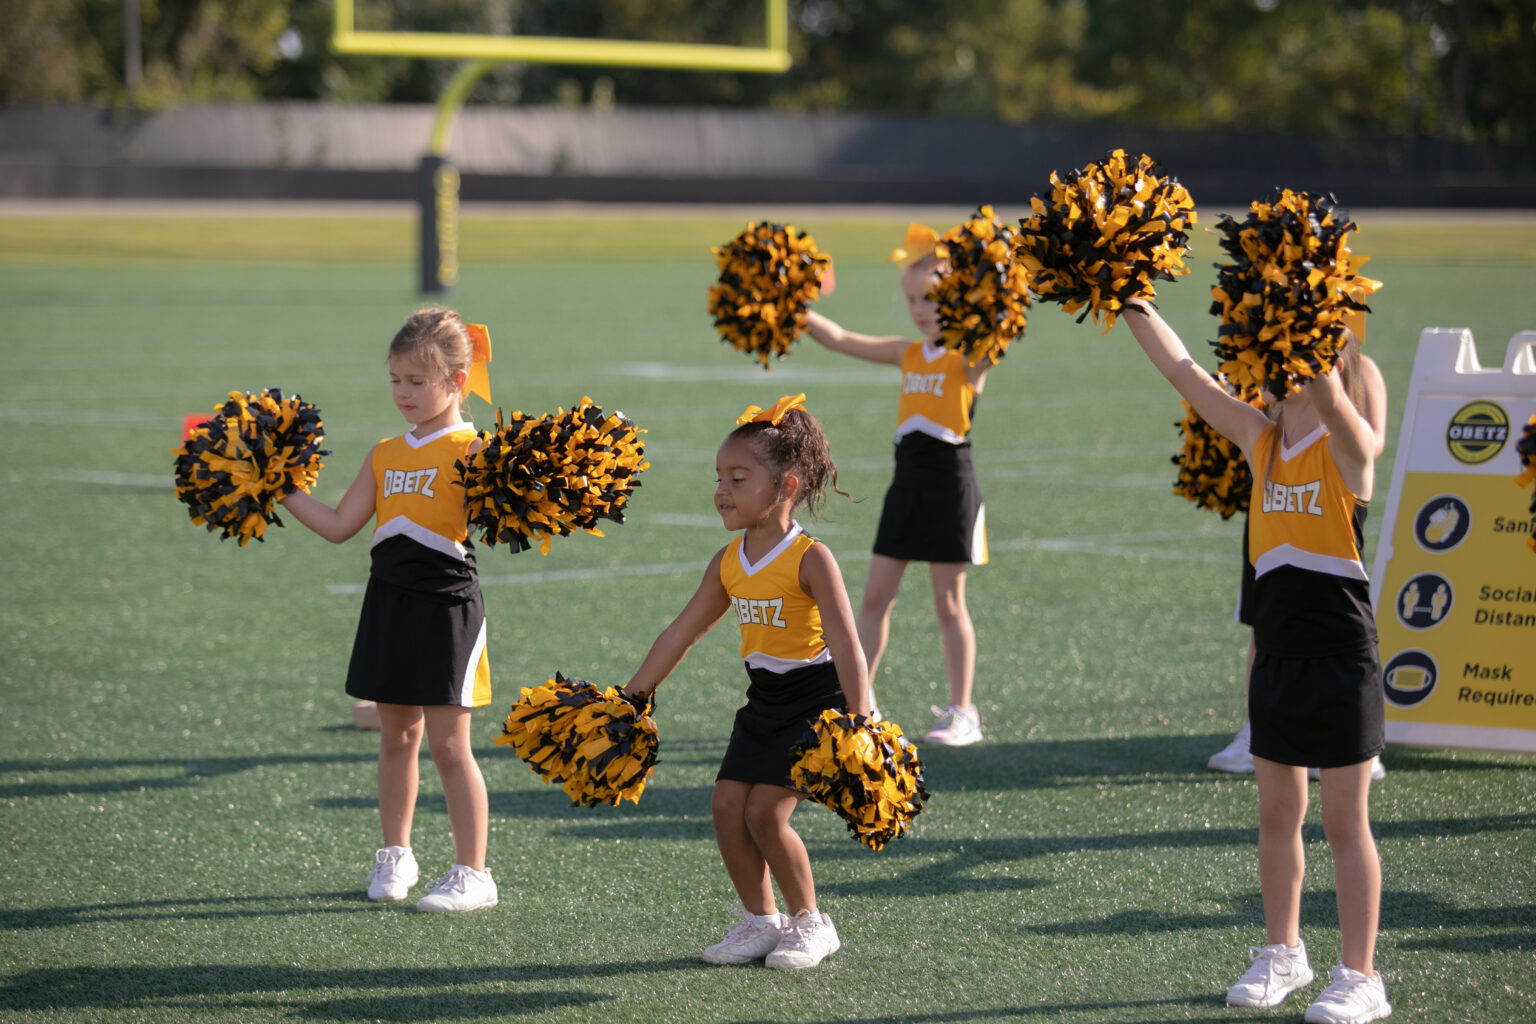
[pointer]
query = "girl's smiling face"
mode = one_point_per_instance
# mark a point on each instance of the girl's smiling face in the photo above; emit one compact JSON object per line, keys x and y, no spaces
{"x":745,"y":489}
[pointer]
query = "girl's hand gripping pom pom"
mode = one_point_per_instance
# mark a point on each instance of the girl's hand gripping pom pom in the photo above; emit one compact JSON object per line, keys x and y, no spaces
{"x":536,"y":478}
{"x":1104,"y":235}
{"x":235,"y":466}
{"x":983,"y":295}
{"x":768,"y":275}
{"x":1285,"y":299}
{"x":598,"y":744}
{"x":868,"y":773}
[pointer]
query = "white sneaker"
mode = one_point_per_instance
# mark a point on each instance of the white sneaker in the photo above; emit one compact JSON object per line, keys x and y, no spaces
{"x":809,"y":938}
{"x":461,"y":889}
{"x":1235,"y":756}
{"x":1350,"y":998}
{"x":392,"y":875}
{"x":752,"y":937}
{"x":1277,"y":971}
{"x":956,"y":727}
{"x":1378,"y":771}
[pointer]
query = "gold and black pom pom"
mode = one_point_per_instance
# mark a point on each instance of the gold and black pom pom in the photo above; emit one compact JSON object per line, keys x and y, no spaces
{"x":538,"y":477}
{"x":1106,"y":234}
{"x":235,"y":465}
{"x":1213,"y":472}
{"x":1525,"y":448}
{"x":599,"y":745}
{"x":768,"y":275}
{"x":983,"y":295}
{"x":1286,"y":298}
{"x":866,"y":772}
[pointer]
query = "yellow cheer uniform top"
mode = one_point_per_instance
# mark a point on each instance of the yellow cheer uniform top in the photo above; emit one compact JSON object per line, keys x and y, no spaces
{"x":780,"y":623}
{"x":415,"y":493}
{"x":937,"y":398}
{"x":1305,"y":541}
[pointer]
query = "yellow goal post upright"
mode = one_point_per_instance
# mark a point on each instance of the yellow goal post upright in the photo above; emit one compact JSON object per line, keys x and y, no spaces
{"x":438,"y":179}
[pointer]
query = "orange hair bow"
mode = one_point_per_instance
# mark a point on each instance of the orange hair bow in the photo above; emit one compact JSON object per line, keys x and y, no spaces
{"x":479,"y":382}
{"x":754,"y":414}
{"x":921,"y":240}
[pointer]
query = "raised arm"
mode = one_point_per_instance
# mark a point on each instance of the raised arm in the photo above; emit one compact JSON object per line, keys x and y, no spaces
{"x":701,"y":612}
{"x":350,"y":514}
{"x":1351,"y":438}
{"x":1375,"y":411}
{"x":832,"y":335}
{"x":1233,"y":418}
{"x":821,"y":578}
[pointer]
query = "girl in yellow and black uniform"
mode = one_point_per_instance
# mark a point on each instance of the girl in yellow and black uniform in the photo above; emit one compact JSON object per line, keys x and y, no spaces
{"x":802,"y":656}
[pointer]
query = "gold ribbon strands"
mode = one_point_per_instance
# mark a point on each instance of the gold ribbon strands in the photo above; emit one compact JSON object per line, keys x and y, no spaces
{"x":982,"y":294}
{"x":252,"y":451}
{"x":1213,"y":472}
{"x":1105,"y":234}
{"x":538,"y":477}
{"x":769,"y":273}
{"x":868,"y":773}
{"x":1289,"y":293}
{"x":599,"y":745}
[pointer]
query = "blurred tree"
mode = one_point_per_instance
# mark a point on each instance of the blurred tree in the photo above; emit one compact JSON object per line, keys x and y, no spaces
{"x":1456,"y":69}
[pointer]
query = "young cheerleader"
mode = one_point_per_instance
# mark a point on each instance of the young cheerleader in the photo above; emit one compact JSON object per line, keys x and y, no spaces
{"x":802,"y":656}
{"x":1314,"y":693}
{"x":933,"y":510}
{"x":1235,"y":756}
{"x":420,"y":650}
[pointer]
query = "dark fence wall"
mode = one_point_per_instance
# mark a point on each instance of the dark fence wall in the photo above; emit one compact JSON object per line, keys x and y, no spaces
{"x":324,"y":151}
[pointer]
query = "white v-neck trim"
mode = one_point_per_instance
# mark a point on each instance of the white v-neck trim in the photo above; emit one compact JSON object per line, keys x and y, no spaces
{"x":753,"y":568}
{"x":1289,"y":452}
{"x":454,"y":428}
{"x":933,"y":353}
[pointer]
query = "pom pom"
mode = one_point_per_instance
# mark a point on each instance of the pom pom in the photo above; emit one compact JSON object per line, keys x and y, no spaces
{"x":1285,"y":299}
{"x":236,"y":464}
{"x":1105,"y":235}
{"x":598,"y":744}
{"x":768,"y":274}
{"x":1525,"y":448}
{"x":868,"y":773}
{"x":538,"y":477}
{"x":982,"y":297}
{"x":1213,"y":473}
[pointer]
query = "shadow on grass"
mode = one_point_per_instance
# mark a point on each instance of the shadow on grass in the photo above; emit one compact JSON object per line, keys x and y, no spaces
{"x":206,"y":909}
{"x":403,"y":994}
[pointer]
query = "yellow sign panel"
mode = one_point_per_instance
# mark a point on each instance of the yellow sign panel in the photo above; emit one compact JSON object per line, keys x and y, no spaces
{"x":1454,"y":585}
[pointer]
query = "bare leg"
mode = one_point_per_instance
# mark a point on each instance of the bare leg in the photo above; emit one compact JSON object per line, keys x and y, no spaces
{"x":1282,"y":861}
{"x":400,"y":731}
{"x":1345,"y":794}
{"x":448,"y":736}
{"x":956,"y":629}
{"x":875,"y":608}
{"x":744,"y":862}
{"x":768,"y":811}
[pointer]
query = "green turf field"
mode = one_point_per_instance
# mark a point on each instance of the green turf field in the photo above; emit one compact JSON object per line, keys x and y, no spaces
{"x":186,"y":813}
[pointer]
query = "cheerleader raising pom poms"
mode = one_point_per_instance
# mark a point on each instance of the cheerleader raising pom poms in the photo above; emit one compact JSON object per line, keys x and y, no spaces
{"x":768,"y":274}
{"x":802,"y":658}
{"x":1105,"y":235}
{"x":238,"y":464}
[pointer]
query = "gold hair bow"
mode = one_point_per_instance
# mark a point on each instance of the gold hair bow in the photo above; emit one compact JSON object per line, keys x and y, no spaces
{"x":754,"y":414}
{"x":479,"y":382}
{"x":920,"y":242}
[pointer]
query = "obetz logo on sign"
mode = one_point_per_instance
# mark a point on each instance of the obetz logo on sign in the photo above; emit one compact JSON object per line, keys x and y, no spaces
{"x":1477,"y":432}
